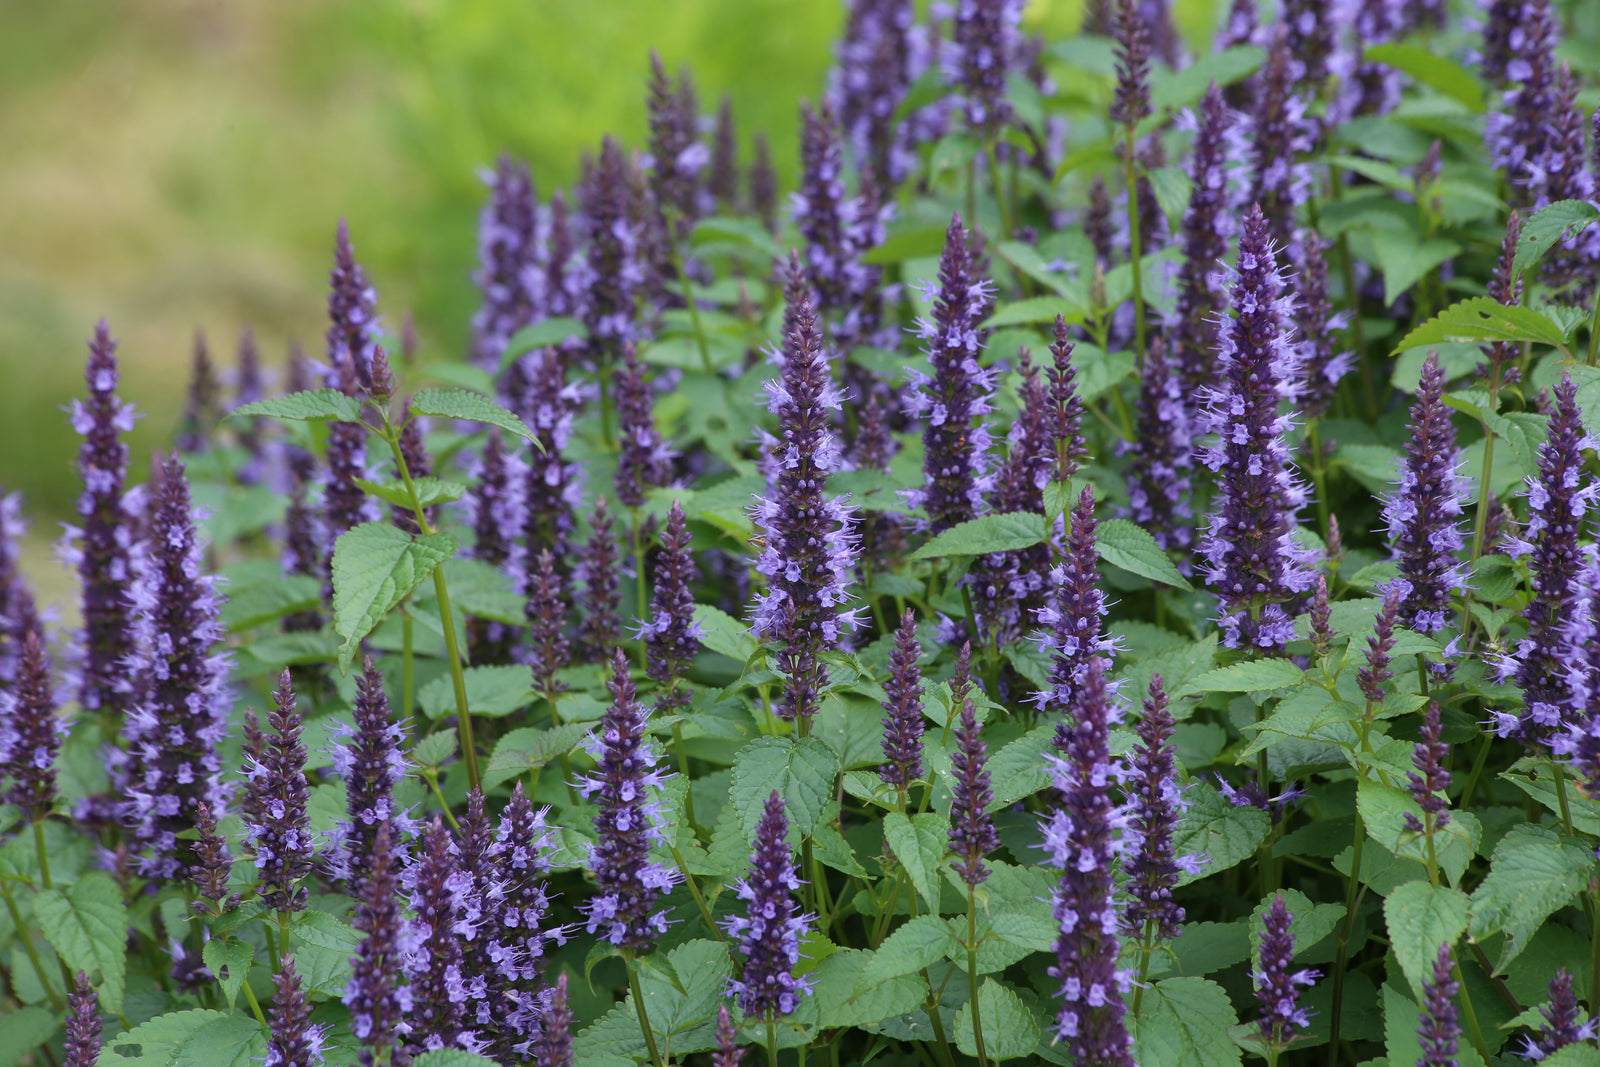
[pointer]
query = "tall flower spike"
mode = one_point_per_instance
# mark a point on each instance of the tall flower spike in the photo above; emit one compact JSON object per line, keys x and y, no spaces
{"x":200,"y":406}
{"x":1131,"y":103}
{"x":902,"y":727}
{"x":102,"y":549}
{"x":1083,"y":839}
{"x":955,"y":400}
{"x":294,"y":1041}
{"x":764,"y":185}
{"x":30,"y":733}
{"x":1253,"y":562}
{"x":769,"y":932}
{"x":868,"y":84}
{"x":728,"y":1053}
{"x":1279,"y":135}
{"x":1518,"y":135}
{"x":345,"y":505}
{"x":601,"y":621}
{"x":548,"y":649}
{"x":1430,"y":779}
{"x":671,"y":635}
{"x":379,"y":1004}
{"x":1439,"y":1032}
{"x":1320,"y":367}
{"x":432,"y":952}
{"x":508,"y":274}
{"x":495,"y":504}
{"x":614,"y":261}
{"x":352,"y":312}
{"x":419,"y":465}
{"x":565,"y":285}
{"x":554,"y":1046}
{"x":1278,"y":988}
{"x":180,"y":715}
{"x":1158,"y":478}
{"x":1309,"y":27}
{"x":985,"y":35}
{"x":644,"y":461}
{"x":972,"y":832}
{"x":211,"y":866}
{"x":1562,"y":173}
{"x":1561,"y":1027}
{"x":1074,"y":621}
{"x":519,"y":940}
{"x":810,"y":545}
{"x":676,"y":154}
{"x":249,"y":386}
{"x":1206,"y":227}
{"x":1374,"y":676}
{"x":280,"y":835}
{"x":1500,"y":25}
{"x":81,"y":1047}
{"x":624,"y":911}
{"x":882,"y":532}
{"x":1157,"y":803}
{"x":552,"y":488}
{"x":1424,"y":517}
{"x":1559,"y":498}
{"x":722,"y":176}
{"x":1374,"y":88}
{"x":371,"y":764}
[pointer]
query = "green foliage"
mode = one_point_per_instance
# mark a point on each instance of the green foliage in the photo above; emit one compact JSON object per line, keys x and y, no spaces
{"x":375,"y":567}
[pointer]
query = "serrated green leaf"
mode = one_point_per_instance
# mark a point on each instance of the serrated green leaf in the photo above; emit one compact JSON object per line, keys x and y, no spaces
{"x":1183,"y":1022}
{"x":491,"y":691}
{"x":1226,"y":835}
{"x":523,"y":749}
{"x":1431,"y":69}
{"x":1009,"y":1029}
{"x":981,"y":536}
{"x":1421,"y":917}
{"x":322,"y":946}
{"x":1122,"y":544}
{"x":271,"y":601}
{"x":1253,"y":676}
{"x":842,"y":1000}
{"x":1404,"y":259}
{"x":1384,"y":809}
{"x":22,"y":1031}
{"x":801,"y":771}
{"x":1034,"y":309}
{"x":434,"y":749}
{"x":87,"y":924}
{"x":919,"y":843}
{"x":539,"y":335}
{"x":1551,"y":223}
{"x":721,"y":632}
{"x":830,"y":847}
{"x":1019,"y":770}
{"x":229,"y":960}
{"x":312,"y":405}
{"x":375,"y":566}
{"x":1309,"y":923}
{"x":1184,"y":87}
{"x":469,"y":407}
{"x":193,"y":1039}
{"x":916,"y":944}
{"x":430,"y":491}
{"x":1481,"y":318}
{"x":1533,"y":873}
{"x":452,"y":1057}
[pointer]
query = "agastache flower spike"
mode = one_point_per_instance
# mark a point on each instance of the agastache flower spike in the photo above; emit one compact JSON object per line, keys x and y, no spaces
{"x":1158,"y":478}
{"x":200,"y":406}
{"x":180,"y":715}
{"x":520,"y":862}
{"x":250,"y":387}
{"x":614,"y":260}
{"x":295,"y":1041}
{"x":728,"y":1053}
{"x":431,"y":946}
{"x":1156,"y":806}
{"x":643,"y":459}
{"x":378,"y":1003}
{"x":1501,"y":22}
{"x":1561,"y":1027}
{"x":280,"y":832}
{"x":1279,"y":135}
{"x":902,"y":727}
{"x":1562,"y":173}
{"x":1083,"y":838}
{"x":985,"y":32}
{"x":601,"y":621}
{"x":671,"y":635}
{"x":1074,"y":621}
{"x":956,"y":460}
{"x":630,"y":884}
{"x":1277,"y":988}
{"x":1375,"y":674}
{"x":1309,"y":28}
{"x":554,"y":1045}
{"x":211,"y":867}
{"x":1374,"y":88}
{"x":676,"y":154}
{"x":81,"y":1048}
{"x":972,"y":832}
{"x":548,"y":649}
{"x":1132,"y":100}
{"x":345,"y":505}
{"x":722,"y":175}
{"x":1252,"y":559}
{"x":508,"y":275}
{"x":764,"y":185}
{"x":1205,"y":229}
{"x":1518,"y":136}
{"x":1424,"y":517}
{"x":419,"y":465}
{"x":868,"y":84}
{"x":882,"y":533}
{"x":1438,"y":1032}
{"x":552,"y":487}
{"x":1320,"y":367}
{"x":769,"y":932}
{"x":495,"y":504}
{"x":30,"y":733}
{"x":352,"y":311}
{"x":1430,"y":779}
{"x":371,"y":765}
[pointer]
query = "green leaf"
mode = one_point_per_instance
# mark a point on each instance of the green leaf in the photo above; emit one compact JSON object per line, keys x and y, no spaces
{"x":1009,"y":1028}
{"x":1188,"y":85}
{"x":907,"y":244}
{"x":830,"y":847}
{"x":492,"y":691}
{"x":192,"y":1039}
{"x":919,"y":843}
{"x":1431,"y":69}
{"x":1019,"y":770}
{"x":452,"y":1057}
{"x":312,"y":405}
{"x":1400,"y":1021}
{"x":434,"y":749}
{"x":1122,"y":544}
{"x":1384,"y":808}
{"x":375,"y":566}
{"x":1421,"y":917}
{"x":1483,"y":319}
{"x":470,"y":407}
{"x":1309,"y":922}
{"x":1252,"y":676}
{"x":1550,"y":224}
{"x":842,"y":1000}
{"x":918,"y":943}
{"x":477,"y":588}
{"x":22,"y":1031}
{"x":271,"y":601}
{"x":322,"y":946}
{"x":1035,"y":309}
{"x":749,"y":232}
{"x":1183,"y":1022}
{"x":233,"y":956}
{"x":1404,"y":259}
{"x":430,"y":491}
{"x":1225,"y":834}
{"x":721,"y":632}
{"x":539,"y":335}
{"x":802,"y":771}
{"x":981,"y":536}
{"x":87,"y":924}
{"x":523,"y":749}
{"x":1533,"y":873}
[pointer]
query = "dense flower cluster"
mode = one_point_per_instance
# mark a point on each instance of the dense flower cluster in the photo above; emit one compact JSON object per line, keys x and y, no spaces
{"x":769,"y":932}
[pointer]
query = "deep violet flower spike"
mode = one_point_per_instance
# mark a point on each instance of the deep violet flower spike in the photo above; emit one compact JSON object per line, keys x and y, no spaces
{"x":345,"y":505}
{"x":200,"y":403}
{"x":643,"y":460}
{"x":1205,"y":230}
{"x":1500,"y":23}
{"x":371,"y":761}
{"x":972,"y":832}
{"x":764,"y":185}
{"x":548,"y":649}
{"x":294,"y":1041}
{"x":1309,"y":31}
{"x":1424,"y":516}
{"x":624,"y":910}
{"x":1280,"y":134}
{"x":551,"y":485}
{"x":598,"y":569}
{"x":902,"y":726}
{"x":30,"y":733}
{"x":1520,"y":134}
{"x":671,"y":634}
{"x":1439,"y":1031}
{"x":1430,"y":779}
{"x":769,"y":932}
{"x":953,"y":403}
{"x":1252,"y":560}
{"x":82,"y":1045}
{"x":1153,"y":868}
{"x":352,"y":312}
{"x":280,"y":833}
{"x":211,"y":865}
{"x":1132,"y":100}
{"x":1375,"y":673}
{"x":869,"y":83}
{"x":1159,"y":490}
{"x":249,"y":386}
{"x":1074,"y":619}
{"x":728,"y":1053}
{"x":722,"y":173}
{"x":1561,"y":1026}
{"x":508,"y":275}
{"x":1321,"y":367}
{"x":431,"y":951}
{"x":177,"y":722}
{"x":676,"y":154}
{"x":985,"y":37}
{"x":1083,"y":837}
{"x":102,"y":548}
{"x":554,"y":1045}
{"x":518,"y":936}
{"x":379,"y":1004}
{"x":615,"y":260}
{"x":1277,"y":987}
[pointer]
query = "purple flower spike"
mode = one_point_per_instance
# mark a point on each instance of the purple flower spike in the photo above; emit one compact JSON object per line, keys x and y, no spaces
{"x":1309,"y":28}
{"x":1562,"y":173}
{"x":597,"y":570}
{"x":345,"y":505}
{"x":30,"y":733}
{"x":180,"y":712}
{"x":431,"y":954}
{"x":509,"y":275}
{"x":548,"y":649}
{"x":769,"y":932}
{"x":281,"y":835}
{"x":1561,"y":1026}
{"x":1132,"y":100}
{"x":615,"y":261}
{"x":1253,"y":562}
{"x":1206,"y":227}
{"x":722,"y":174}
{"x":379,"y":1004}
{"x":1374,"y":88}
{"x":517,"y":939}
{"x":644,"y":461}
{"x":1430,"y":779}
{"x":295,"y":1041}
{"x":630,"y":884}
{"x":810,"y":546}
{"x":200,"y":405}
{"x":1439,"y":1032}
{"x":1501,"y":21}
{"x":671,"y":635}
{"x":1559,"y":497}
{"x":552,"y":487}
{"x":1520,"y":135}
{"x":554,"y":1047}
{"x":1277,"y":988}
{"x":1375,"y":674}
{"x":676,"y":154}
{"x":1153,"y":869}
{"x":1158,"y":479}
{"x":972,"y":832}
{"x":211,"y":867}
{"x":985,"y":35}
{"x":764,"y":185}
{"x":82,"y":1045}
{"x":902,"y":727}
{"x":1084,"y":836}
{"x":871,"y":79}
{"x":1074,"y":621}
{"x":250,"y":386}
{"x":102,"y":549}
{"x":1424,"y":517}
{"x":494,"y":504}
{"x":728,"y":1053}
{"x":371,"y":764}
{"x":1320,"y":367}
{"x":958,"y":394}
{"x":1280,"y":134}
{"x":352,"y":312}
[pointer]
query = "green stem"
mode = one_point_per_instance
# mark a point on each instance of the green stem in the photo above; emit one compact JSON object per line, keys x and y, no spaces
{"x":1000,"y":204}
{"x":408,"y":677}
{"x":1476,"y":773}
{"x":1471,"y":1016}
{"x":694,"y":891}
{"x":1594,"y":950}
{"x":683,"y":769}
{"x":1269,"y":878}
{"x":772,"y":1042}
{"x":27,"y":944}
{"x":432,"y":776}
{"x":972,"y":974}
{"x":44,"y":853}
{"x":1352,"y":894}
{"x":1594,"y":335}
{"x":1561,"y":796}
{"x":639,"y":1009}
{"x":255,"y":1005}
{"x":1146,"y":949}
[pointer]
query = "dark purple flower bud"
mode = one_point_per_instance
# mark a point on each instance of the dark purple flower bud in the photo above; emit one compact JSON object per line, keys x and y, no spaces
{"x":248,"y":387}
{"x":1098,"y":225}
{"x":1253,"y":562}
{"x":1374,"y":88}
{"x":972,"y":832}
{"x":509,"y":274}
{"x":419,"y":465}
{"x":279,"y":833}
{"x":1065,"y":406}
{"x":676,"y":154}
{"x":565,"y":292}
{"x":1559,"y":497}
{"x":200,"y":406}
{"x":371,"y":764}
{"x":431,"y":950}
{"x":598,"y":566}
{"x":1502,"y":20}
{"x":81,"y":1048}
{"x":630,"y":883}
{"x":1277,"y":988}
{"x":809,"y":553}
{"x":1251,"y":795}
{"x":1157,"y":803}
{"x":1430,"y":779}
{"x":1321,"y":613}
{"x":211,"y":866}
{"x":616,"y":267}
{"x":1424,"y":517}
{"x":1561,"y":1025}
{"x":1280,"y":134}
{"x":1309,"y":29}
{"x":30,"y":732}
{"x":722,"y":176}
{"x":1320,"y":367}
{"x":554,"y":1047}
{"x":644,"y":461}
{"x":495,"y":506}
{"x":671,"y":635}
{"x":179,"y":714}
{"x":902,"y":727}
{"x":102,"y":549}
{"x":1131,"y":103}
{"x":352,"y":312}
{"x":955,"y":400}
{"x":764,"y":185}
{"x":868,"y":84}
{"x":1562,"y":173}
{"x":1074,"y":621}
{"x":1519,"y":134}
{"x":1083,"y":837}
{"x":728,"y":1053}
{"x":985,"y":36}
{"x":1207,"y":225}
{"x":1240,"y":26}
{"x":1159,"y":490}
{"x":547,"y":649}
{"x":295,"y":1041}
{"x":516,"y":905}
{"x":1375,"y":674}
{"x":552,"y":488}
{"x":303,"y":542}
{"x":1505,"y":285}
{"x":769,"y":932}
{"x":1439,"y":1033}
{"x":345,"y":505}
{"x":379,"y":1004}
